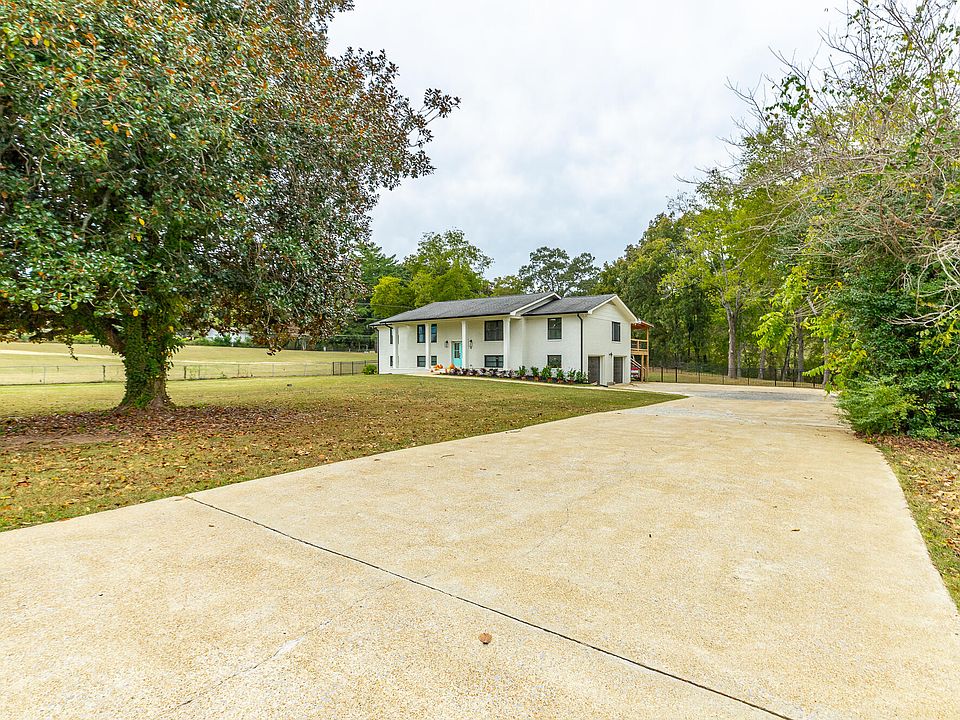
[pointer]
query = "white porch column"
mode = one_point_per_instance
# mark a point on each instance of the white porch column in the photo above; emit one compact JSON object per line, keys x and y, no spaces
{"x":463,"y":343}
{"x":396,"y":346}
{"x":506,"y":344}
{"x":427,"y":363}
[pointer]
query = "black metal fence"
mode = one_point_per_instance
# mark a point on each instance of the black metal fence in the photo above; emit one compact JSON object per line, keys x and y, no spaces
{"x":715,"y":374}
{"x":113,"y":372}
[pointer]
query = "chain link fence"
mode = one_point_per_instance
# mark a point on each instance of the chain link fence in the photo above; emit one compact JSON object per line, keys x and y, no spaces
{"x":113,"y":372}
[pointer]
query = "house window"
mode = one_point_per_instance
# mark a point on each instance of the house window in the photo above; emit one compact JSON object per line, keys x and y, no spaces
{"x":421,"y":360}
{"x":616,"y":331}
{"x":493,"y":361}
{"x":554,"y":361}
{"x":554,"y":328}
{"x":433,"y":332}
{"x":433,"y":361}
{"x":493,"y":330}
{"x":391,"y":361}
{"x":421,"y":333}
{"x":391,"y":336}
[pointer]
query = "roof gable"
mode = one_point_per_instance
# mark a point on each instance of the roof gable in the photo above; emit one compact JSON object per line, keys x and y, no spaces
{"x":571,"y":305}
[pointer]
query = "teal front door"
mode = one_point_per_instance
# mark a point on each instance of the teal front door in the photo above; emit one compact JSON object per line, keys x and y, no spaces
{"x":456,"y":353}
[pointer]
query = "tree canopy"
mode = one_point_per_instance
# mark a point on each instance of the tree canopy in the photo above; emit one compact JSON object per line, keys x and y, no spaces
{"x":445,"y":266}
{"x":171,"y":167}
{"x":553,"y":270}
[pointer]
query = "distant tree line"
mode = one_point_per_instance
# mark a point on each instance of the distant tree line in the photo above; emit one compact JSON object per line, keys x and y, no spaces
{"x":446,"y":266}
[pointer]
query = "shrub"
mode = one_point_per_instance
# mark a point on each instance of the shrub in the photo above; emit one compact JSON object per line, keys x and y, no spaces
{"x":369,"y":369}
{"x":560,"y":375}
{"x":875,"y":407}
{"x":534,"y":372}
{"x":522,"y":372}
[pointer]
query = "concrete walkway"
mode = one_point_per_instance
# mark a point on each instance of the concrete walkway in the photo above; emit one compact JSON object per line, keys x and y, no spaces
{"x":735,"y":554}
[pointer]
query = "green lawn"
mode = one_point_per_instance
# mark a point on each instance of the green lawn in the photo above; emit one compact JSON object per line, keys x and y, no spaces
{"x":45,"y":363}
{"x":62,"y":453}
{"x":929,"y":473}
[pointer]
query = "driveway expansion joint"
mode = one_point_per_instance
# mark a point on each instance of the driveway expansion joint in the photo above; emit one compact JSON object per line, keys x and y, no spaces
{"x":527,"y":623}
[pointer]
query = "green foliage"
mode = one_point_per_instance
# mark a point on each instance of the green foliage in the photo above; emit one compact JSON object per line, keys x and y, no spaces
{"x":456,"y":283}
{"x":840,"y":223}
{"x":507,"y":285}
{"x":445,"y":266}
{"x":374,"y":265}
{"x":391,"y":295}
{"x":553,"y":270}
{"x":866,"y":162}
{"x":170,"y":167}
{"x":681,"y":312}
{"x":369,"y":369}
{"x":436,"y":253}
{"x":876,"y":407}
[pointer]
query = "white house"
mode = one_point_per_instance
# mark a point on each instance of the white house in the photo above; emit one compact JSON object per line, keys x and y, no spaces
{"x":591,"y":334}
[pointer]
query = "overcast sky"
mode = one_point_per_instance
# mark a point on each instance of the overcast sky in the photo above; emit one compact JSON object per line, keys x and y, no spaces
{"x":576,"y":118}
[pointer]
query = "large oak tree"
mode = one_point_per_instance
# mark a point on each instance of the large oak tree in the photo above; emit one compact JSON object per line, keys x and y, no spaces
{"x":167,"y":167}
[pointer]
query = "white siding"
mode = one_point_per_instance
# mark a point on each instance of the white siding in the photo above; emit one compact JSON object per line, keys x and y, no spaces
{"x":537,"y":346}
{"x":529,"y":345}
{"x":598,"y":340}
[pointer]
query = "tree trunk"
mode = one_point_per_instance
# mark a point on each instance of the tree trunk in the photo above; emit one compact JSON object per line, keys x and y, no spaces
{"x":799,"y":349}
{"x":786,"y":358}
{"x":146,"y":351}
{"x":763,"y":363}
{"x":731,"y":342}
{"x":826,"y":368}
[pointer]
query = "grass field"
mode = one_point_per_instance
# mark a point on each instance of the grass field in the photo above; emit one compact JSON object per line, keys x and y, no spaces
{"x":62,"y":453}
{"x":929,"y":473}
{"x":46,"y":363}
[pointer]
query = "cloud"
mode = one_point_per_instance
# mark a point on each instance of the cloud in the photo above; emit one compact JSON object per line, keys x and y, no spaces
{"x":576,"y":118}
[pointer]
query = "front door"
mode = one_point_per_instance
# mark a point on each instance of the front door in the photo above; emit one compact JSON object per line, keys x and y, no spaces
{"x":456,"y":353}
{"x":593,"y":369}
{"x":618,"y":370}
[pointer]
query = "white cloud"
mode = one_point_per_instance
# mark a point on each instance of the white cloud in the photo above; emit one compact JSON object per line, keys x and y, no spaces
{"x":576,"y":118}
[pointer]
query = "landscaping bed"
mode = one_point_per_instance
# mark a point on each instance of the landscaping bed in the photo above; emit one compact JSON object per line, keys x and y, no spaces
{"x":557,"y":376}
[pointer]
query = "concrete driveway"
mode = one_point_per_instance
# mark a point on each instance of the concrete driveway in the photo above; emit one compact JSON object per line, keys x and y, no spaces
{"x":735,"y":554}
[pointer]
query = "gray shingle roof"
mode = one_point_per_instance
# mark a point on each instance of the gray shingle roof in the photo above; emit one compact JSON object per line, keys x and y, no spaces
{"x":502,"y":305}
{"x":568,"y":305}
